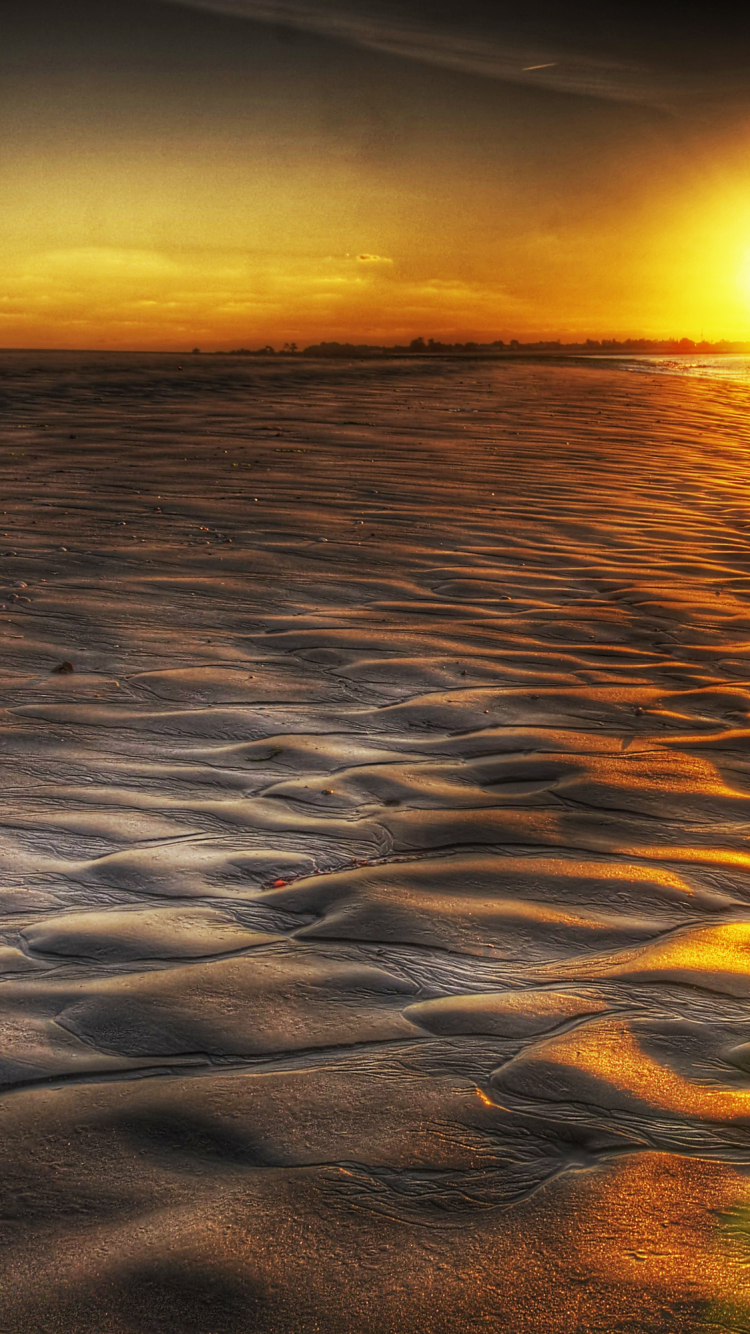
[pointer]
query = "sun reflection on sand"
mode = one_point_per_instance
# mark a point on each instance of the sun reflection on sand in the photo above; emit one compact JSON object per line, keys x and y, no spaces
{"x":715,"y":956}
{"x":608,"y":1052}
{"x":660,"y":1233}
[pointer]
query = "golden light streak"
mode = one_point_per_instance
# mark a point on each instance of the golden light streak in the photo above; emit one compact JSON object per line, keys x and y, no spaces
{"x":608,"y":1050}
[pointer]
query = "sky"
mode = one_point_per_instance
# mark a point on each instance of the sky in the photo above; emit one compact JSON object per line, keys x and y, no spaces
{"x":230,"y":173}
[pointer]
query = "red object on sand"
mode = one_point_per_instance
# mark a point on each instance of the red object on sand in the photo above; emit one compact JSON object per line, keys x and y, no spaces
{"x":277,"y":884}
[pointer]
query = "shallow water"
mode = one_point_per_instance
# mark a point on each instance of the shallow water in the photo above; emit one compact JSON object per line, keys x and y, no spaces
{"x":733,"y":366}
{"x":375,"y":898}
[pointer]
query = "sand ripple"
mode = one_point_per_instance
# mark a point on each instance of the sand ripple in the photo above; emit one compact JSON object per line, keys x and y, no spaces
{"x":375,"y":905}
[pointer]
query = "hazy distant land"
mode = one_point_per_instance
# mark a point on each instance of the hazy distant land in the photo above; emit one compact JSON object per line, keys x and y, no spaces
{"x":500,"y":348}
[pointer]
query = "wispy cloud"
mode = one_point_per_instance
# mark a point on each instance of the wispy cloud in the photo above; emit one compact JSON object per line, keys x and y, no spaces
{"x":488,"y":53}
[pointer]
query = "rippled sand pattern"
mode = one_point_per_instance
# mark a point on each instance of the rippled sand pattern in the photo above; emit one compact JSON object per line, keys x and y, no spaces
{"x":375,"y":901}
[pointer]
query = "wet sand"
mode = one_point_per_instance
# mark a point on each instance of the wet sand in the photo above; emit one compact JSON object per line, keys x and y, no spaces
{"x":375,"y":901}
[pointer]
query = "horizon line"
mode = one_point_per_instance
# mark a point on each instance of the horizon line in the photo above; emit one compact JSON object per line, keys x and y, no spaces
{"x":420,"y":346}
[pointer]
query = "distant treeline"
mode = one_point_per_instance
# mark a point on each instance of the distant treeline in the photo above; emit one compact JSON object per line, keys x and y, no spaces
{"x":420,"y":347}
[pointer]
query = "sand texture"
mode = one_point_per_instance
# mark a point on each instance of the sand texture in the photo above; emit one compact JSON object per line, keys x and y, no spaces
{"x":374,"y":858}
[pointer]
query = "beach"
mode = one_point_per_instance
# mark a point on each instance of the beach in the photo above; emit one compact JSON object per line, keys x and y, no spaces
{"x":375,"y":906}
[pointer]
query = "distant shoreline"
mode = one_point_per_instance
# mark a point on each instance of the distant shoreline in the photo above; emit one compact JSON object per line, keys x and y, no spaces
{"x":569,"y":351}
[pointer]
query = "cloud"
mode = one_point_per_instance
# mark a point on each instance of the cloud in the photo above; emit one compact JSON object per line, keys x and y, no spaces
{"x":478,"y":49}
{"x":374,"y":259}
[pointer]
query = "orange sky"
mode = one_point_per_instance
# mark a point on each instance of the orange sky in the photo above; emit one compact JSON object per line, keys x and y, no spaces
{"x":174,"y":178}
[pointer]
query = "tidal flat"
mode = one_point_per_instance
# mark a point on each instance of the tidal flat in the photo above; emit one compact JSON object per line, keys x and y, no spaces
{"x":374,"y":859}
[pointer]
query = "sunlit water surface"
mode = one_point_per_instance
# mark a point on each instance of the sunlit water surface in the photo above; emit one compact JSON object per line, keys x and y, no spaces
{"x":734,"y":366}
